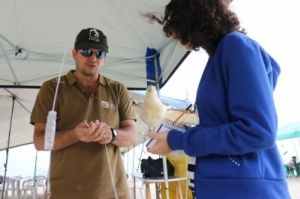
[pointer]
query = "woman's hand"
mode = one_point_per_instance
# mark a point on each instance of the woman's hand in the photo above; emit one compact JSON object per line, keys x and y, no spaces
{"x":160,"y":145}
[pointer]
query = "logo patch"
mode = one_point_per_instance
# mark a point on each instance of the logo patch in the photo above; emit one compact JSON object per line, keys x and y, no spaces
{"x":107,"y":105}
{"x":104,"y":104}
{"x":94,"y":35}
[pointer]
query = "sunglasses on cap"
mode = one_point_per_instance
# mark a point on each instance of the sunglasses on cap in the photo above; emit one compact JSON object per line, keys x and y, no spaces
{"x":88,"y":53}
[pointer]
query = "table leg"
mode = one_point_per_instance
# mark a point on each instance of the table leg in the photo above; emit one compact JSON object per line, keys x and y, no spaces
{"x":178,"y":191}
{"x":134,"y":188}
{"x":148,"y":194}
{"x":157,"y":189}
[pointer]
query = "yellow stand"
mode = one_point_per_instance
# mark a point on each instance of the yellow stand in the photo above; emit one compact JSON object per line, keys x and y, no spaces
{"x":180,"y":165}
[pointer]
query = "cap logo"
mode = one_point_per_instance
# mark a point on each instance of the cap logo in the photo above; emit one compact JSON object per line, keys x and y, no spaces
{"x":94,"y":35}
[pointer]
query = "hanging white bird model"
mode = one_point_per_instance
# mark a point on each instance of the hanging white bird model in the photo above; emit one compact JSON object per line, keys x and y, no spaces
{"x":152,"y":110}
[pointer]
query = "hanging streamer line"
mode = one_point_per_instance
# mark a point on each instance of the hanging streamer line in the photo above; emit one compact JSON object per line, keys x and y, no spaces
{"x":59,"y":77}
{"x":111,"y":174}
{"x":53,"y":127}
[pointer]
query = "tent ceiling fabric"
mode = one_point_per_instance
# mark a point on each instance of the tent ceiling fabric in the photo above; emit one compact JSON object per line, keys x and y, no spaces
{"x":35,"y":34}
{"x":21,"y":130}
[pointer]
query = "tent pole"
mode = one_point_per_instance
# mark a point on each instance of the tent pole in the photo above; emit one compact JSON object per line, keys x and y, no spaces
{"x":140,"y":158}
{"x":295,"y":148}
{"x":164,"y":158}
{"x":34,"y":176}
{"x":7,"y":146}
{"x":7,"y":41}
{"x":35,"y":163}
{"x":18,"y":101}
{"x":9,"y":64}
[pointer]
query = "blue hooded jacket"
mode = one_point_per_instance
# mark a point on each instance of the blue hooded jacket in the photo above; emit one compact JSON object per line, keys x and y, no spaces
{"x":234,"y":144}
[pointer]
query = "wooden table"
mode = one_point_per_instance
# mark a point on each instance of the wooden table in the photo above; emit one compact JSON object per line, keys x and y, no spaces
{"x":157,"y":181}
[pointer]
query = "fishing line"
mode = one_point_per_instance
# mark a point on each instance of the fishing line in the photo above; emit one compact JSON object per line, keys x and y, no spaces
{"x":111,"y":174}
{"x":109,"y":167}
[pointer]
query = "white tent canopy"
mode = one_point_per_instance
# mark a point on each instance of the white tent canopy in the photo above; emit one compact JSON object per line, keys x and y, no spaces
{"x":34,"y":35}
{"x":14,"y":116}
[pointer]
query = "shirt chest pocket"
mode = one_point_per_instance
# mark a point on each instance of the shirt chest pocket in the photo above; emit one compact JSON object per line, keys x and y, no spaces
{"x":108,"y":112}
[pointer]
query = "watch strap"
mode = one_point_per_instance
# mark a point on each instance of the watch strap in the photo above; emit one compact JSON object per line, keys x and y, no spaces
{"x":114,"y":134}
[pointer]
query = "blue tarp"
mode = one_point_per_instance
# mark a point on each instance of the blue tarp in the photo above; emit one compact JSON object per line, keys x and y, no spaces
{"x":153,"y":68}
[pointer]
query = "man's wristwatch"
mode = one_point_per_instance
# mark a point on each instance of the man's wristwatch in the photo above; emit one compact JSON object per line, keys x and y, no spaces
{"x":114,"y":133}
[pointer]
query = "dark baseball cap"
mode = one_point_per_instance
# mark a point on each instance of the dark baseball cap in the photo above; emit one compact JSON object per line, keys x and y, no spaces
{"x":91,"y":38}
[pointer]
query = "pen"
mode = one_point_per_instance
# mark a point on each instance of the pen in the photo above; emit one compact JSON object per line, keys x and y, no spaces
{"x":156,"y":132}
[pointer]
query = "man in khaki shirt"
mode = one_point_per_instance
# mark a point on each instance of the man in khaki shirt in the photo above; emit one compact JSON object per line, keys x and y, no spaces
{"x":94,"y":114}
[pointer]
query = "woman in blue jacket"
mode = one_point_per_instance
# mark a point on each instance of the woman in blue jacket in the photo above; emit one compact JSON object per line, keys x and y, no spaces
{"x":233,"y":146}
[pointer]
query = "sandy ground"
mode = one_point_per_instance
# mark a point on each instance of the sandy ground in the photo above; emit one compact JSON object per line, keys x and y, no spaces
{"x":294,"y":187}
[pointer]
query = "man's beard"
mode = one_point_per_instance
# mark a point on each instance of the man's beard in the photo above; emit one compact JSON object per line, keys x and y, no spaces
{"x":89,"y":73}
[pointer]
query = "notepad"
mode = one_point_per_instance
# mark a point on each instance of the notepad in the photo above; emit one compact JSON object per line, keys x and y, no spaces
{"x":165,"y":126}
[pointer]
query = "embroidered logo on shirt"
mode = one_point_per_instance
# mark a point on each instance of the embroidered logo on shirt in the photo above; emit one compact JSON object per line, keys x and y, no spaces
{"x":104,"y":104}
{"x":107,"y":105}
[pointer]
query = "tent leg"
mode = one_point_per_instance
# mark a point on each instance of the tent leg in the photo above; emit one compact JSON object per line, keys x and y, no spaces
{"x":7,"y":146}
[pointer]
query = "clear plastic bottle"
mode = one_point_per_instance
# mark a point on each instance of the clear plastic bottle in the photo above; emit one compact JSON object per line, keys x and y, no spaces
{"x":50,"y":130}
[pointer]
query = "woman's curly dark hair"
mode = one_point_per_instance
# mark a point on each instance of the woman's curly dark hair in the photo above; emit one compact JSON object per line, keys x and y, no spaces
{"x":198,"y":23}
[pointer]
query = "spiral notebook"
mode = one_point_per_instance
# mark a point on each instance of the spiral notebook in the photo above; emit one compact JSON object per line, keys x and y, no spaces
{"x":166,"y":126}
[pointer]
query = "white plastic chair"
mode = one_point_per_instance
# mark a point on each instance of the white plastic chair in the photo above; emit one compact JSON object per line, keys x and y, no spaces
{"x":34,"y":188}
{"x":11,"y":188}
